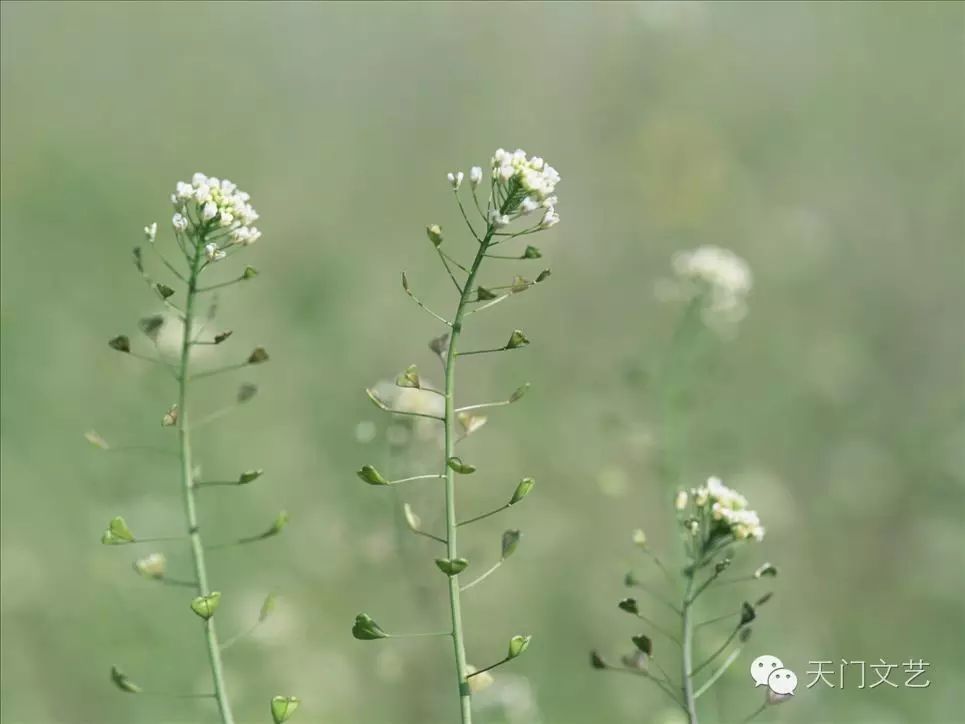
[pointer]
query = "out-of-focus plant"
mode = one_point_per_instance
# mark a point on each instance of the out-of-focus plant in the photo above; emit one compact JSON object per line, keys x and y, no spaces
{"x":715,"y":524}
{"x":520,"y":190}
{"x":213,"y":221}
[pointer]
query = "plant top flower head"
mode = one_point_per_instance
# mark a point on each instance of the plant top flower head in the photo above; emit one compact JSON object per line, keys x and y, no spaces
{"x":524,"y":184}
{"x":720,"y":275}
{"x":724,"y":511}
{"x":208,"y":204}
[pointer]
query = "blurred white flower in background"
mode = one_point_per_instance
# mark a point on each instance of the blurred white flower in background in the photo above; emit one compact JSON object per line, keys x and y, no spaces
{"x":718,"y":277}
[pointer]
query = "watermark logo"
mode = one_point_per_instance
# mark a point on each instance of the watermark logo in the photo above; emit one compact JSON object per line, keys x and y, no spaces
{"x":769,"y":671}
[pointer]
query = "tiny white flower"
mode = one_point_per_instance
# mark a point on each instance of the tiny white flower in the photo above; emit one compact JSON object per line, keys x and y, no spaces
{"x":528,"y":205}
{"x":202,"y":193}
{"x":680,"y":502}
{"x":213,"y":253}
{"x":475,"y":176}
{"x":209,"y":211}
{"x":455,"y":179}
{"x":498,"y":220}
{"x":550,"y":218}
{"x":150,"y":232}
{"x":180,"y":222}
{"x":183,"y":190}
{"x":549,"y":202}
{"x":199,"y":178}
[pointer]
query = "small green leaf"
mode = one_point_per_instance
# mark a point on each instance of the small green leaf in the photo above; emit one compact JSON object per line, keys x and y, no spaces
{"x":596,"y":661}
{"x":409,"y":378}
{"x":123,"y":683}
{"x":121,"y":343}
{"x":523,"y":489}
{"x":371,"y":476}
{"x":205,"y":606}
{"x":282,"y":707}
{"x":163,"y":290}
{"x":365,"y":629}
{"x":117,"y":532}
{"x":150,"y":326}
{"x":532,"y":252}
{"x":257,"y":356}
{"x":434,"y":232}
{"x":484,"y":295}
{"x":153,"y":565}
{"x":452,"y":567}
{"x":517,"y":645}
{"x":246,"y":391}
{"x":519,"y":392}
{"x":543,"y":276}
{"x":222,"y":336}
{"x":249,"y":273}
{"x":267,"y":606}
{"x":748,"y":614}
{"x":629,"y":605}
{"x":460,"y":467}
{"x":517,"y":339}
{"x":643,"y":643}
{"x":249,"y":476}
{"x":510,"y":543}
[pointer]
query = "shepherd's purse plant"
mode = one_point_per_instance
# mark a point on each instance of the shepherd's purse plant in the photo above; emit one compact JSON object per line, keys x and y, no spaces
{"x":213,"y":221}
{"x":516,"y":202}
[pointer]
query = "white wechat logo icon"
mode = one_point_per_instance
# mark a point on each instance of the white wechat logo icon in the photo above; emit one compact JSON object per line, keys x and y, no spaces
{"x":782,"y":681}
{"x":762,"y":667}
{"x":769,"y":671}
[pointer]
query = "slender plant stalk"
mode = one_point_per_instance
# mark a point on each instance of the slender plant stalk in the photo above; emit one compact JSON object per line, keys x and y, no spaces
{"x":458,"y":639}
{"x":690,"y":701}
{"x":187,"y":479}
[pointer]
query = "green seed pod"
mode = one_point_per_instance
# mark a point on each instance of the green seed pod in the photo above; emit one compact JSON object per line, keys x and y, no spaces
{"x":205,"y":606}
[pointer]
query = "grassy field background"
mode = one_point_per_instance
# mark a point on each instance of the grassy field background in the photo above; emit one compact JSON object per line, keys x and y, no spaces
{"x":823,"y":142}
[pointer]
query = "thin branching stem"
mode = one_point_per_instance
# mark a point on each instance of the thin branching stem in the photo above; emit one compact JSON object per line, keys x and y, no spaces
{"x":187,"y":480}
{"x":452,"y":550}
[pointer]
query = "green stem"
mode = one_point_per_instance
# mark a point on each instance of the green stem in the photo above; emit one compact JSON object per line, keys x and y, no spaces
{"x":190,"y":508}
{"x":690,"y":700}
{"x":458,"y":639}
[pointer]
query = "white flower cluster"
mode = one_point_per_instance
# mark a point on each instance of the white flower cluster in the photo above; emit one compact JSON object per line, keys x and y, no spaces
{"x":727,"y":506}
{"x":721,"y":274}
{"x":526,"y":183}
{"x":207,"y":200}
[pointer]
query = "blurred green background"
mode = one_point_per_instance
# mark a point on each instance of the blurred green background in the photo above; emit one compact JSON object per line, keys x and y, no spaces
{"x":823,"y":142}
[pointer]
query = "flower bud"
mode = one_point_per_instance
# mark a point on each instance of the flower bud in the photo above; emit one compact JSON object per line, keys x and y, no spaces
{"x":455,"y":179}
{"x":258,"y":355}
{"x":123,"y":683}
{"x":680,"y":502}
{"x":170,"y":418}
{"x":456,"y":463}
{"x":179,"y":222}
{"x":517,"y":645}
{"x":365,"y":629}
{"x":643,"y":643}
{"x":409,"y":378}
{"x":249,"y":476}
{"x":517,"y":339}
{"x":282,"y":707}
{"x":371,"y":476}
{"x":153,"y":565}
{"x":475,"y":176}
{"x":205,"y":606}
{"x":121,"y":343}
{"x":510,"y":542}
{"x":150,"y":233}
{"x":550,"y":219}
{"x":629,"y":605}
{"x":434,"y":232}
{"x":117,"y":533}
{"x":639,"y":538}
{"x":523,"y":489}
{"x":452,"y":566}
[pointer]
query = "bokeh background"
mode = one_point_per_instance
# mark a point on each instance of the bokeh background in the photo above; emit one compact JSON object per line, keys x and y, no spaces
{"x":822,"y":142}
